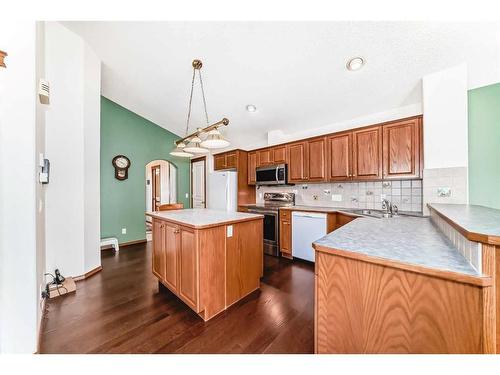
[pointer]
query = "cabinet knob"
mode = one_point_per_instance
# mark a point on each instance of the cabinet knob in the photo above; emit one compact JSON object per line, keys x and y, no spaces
{"x":176,"y":231}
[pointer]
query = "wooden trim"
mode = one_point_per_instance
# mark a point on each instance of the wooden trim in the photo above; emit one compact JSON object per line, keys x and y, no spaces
{"x":233,"y":150}
{"x":204,"y":159}
{"x":489,"y":335}
{"x":130,"y":243}
{"x":472,"y":236}
{"x":88,"y":274}
{"x":41,"y":326}
{"x":341,"y":132}
{"x":481,"y":281}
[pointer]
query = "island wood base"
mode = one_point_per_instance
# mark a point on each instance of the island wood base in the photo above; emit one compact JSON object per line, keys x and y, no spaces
{"x":204,"y":267}
{"x":366,"y":305}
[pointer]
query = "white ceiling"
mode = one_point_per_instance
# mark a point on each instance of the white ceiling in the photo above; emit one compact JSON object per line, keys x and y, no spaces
{"x":294,"y":72}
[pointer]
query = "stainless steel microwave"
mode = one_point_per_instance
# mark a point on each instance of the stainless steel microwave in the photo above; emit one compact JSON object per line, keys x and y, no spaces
{"x":271,"y":175}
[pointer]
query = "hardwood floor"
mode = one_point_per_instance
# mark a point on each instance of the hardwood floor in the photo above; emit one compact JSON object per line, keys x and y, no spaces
{"x":122,"y":310}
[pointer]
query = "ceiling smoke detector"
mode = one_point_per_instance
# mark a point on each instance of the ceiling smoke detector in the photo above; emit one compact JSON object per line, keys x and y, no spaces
{"x":355,"y":63}
{"x":251,"y":108}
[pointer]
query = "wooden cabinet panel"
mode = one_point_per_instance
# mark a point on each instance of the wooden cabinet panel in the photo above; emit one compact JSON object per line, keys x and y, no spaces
{"x":264,"y":157}
{"x":231,"y":160}
{"x":316,"y":159}
{"x":339,"y":157}
{"x":279,"y":154}
{"x":356,"y":302}
{"x":172,"y":241}
{"x":401,"y":149}
{"x":252,"y":164}
{"x":158,"y":250}
{"x":367,"y":153}
{"x":286,"y":236}
{"x":188,"y":269}
{"x":297,"y":162}
{"x":219,"y":161}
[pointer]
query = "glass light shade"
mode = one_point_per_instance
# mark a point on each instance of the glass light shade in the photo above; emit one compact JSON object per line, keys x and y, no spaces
{"x":180,"y":153}
{"x":194,"y":147}
{"x":214,"y":140}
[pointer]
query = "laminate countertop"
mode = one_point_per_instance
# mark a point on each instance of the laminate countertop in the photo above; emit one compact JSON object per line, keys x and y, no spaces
{"x":405,"y":240}
{"x":200,"y":218}
{"x":477,"y":223}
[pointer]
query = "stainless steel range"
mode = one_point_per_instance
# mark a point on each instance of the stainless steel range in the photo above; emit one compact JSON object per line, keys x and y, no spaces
{"x":270,"y":209}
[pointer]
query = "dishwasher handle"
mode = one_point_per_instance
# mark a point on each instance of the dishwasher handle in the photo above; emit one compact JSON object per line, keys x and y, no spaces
{"x":315,"y":215}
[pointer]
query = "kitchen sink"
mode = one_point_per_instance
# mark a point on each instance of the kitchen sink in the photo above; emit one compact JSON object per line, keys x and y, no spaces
{"x":371,"y":213}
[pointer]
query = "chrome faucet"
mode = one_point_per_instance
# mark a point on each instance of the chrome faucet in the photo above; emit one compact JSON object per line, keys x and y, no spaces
{"x":389,"y":208}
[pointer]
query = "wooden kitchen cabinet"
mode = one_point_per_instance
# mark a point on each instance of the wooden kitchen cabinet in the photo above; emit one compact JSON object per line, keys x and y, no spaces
{"x":279,"y":155}
{"x":339,"y":157}
{"x":158,"y":249}
{"x":220,"y":162}
{"x":286,"y":232}
{"x":171,"y":250}
{"x":316,"y":159}
{"x":402,"y":149}
{"x":264,"y":157}
{"x":204,"y":267}
{"x":367,"y":153}
{"x":297,"y":162}
{"x":252,"y":164}
{"x":231,"y":159}
{"x":188,"y":268}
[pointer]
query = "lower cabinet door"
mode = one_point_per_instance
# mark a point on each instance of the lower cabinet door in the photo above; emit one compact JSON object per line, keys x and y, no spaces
{"x":285,"y":237}
{"x":188,"y":269}
{"x":172,"y":241}
{"x":158,"y":250}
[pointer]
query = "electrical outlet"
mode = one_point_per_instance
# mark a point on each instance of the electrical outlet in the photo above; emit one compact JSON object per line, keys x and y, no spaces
{"x":337,"y":197}
{"x":444,"y":192}
{"x":124,"y":230}
{"x":315,"y":197}
{"x":229,"y":231}
{"x":187,"y":195}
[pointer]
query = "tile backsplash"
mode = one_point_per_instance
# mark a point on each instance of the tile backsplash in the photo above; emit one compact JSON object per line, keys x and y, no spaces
{"x":406,"y":194}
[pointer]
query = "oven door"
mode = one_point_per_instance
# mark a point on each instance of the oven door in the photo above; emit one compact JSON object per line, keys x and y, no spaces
{"x":270,"y":230}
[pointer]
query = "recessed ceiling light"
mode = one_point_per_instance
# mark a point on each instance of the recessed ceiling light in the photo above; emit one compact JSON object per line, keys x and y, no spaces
{"x":355,"y":63}
{"x":251,"y":108}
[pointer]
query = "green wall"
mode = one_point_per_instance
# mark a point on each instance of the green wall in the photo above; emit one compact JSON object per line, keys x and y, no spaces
{"x":484,"y":146}
{"x":123,"y":203}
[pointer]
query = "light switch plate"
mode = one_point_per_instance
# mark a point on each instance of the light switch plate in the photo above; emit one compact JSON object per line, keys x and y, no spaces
{"x":229,"y":231}
{"x":124,"y":230}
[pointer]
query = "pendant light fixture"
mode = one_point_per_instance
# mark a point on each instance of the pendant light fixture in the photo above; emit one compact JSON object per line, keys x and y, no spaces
{"x":193,"y":144}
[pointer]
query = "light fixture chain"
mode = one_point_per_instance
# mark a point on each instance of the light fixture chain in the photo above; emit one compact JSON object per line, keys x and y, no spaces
{"x":190,"y":101}
{"x":203,"y":95}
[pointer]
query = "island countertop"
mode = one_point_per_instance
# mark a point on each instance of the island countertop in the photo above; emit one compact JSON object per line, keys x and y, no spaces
{"x":477,"y":223}
{"x":411,"y":241}
{"x":200,"y":218}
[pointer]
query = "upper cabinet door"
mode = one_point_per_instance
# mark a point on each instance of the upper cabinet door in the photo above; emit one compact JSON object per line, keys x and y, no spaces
{"x":367,"y":153}
{"x":402,"y":149}
{"x":279,"y":154}
{"x":231,"y":159}
{"x":264,"y":157}
{"x":219,"y":161}
{"x":339,"y":157}
{"x":316,"y":159}
{"x":252,"y":164}
{"x":297,"y":162}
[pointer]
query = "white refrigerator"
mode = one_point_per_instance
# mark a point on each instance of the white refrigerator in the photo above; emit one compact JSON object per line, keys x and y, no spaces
{"x":222,"y":191}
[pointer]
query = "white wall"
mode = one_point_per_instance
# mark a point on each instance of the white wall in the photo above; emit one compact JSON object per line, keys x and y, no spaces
{"x":168,"y":175}
{"x":18,"y":190}
{"x":445,"y":123}
{"x":72,"y":145}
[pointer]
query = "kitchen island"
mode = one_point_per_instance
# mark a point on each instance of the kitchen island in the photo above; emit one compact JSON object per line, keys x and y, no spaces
{"x":400,"y":285}
{"x":209,"y":258}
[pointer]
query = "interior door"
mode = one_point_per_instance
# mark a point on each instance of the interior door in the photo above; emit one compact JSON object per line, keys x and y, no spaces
{"x":198,"y":181}
{"x":156,"y":188}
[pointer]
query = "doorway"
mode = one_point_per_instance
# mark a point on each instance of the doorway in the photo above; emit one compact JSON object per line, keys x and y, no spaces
{"x":198,"y":182}
{"x":161,"y":187}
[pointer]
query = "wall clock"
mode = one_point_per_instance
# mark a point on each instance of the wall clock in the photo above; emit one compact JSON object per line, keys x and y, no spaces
{"x":121,"y":164}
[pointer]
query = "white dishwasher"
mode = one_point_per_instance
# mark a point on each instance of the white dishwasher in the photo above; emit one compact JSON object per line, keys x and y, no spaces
{"x":307,"y":227}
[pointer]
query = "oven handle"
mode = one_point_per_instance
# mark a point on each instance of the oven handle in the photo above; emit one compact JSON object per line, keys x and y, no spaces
{"x":261,"y":212}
